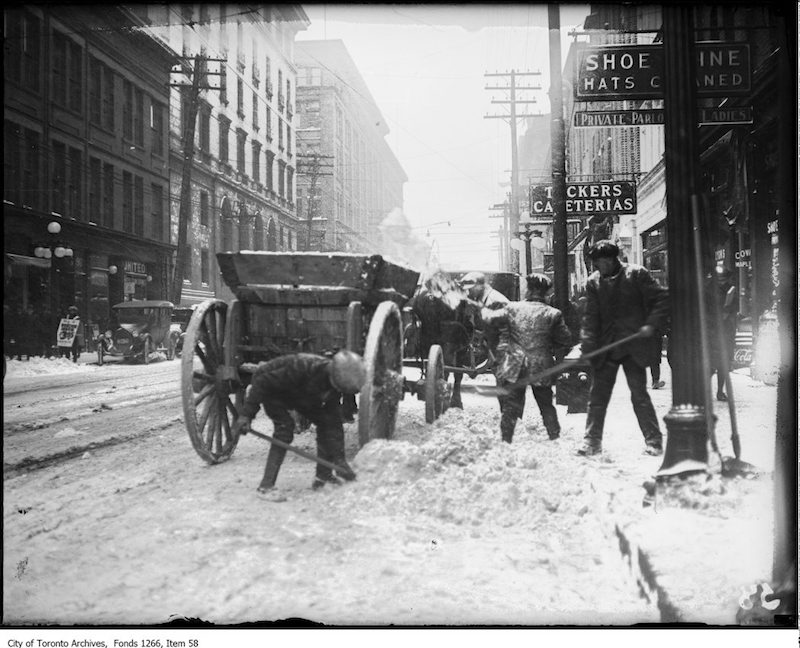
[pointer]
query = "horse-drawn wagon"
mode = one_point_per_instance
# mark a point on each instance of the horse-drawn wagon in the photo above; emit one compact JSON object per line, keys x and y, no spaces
{"x":286,"y":303}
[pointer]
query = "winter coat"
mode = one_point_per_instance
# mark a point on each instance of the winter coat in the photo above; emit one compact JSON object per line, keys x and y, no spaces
{"x":535,"y":333}
{"x":298,"y":382}
{"x":618,"y":306}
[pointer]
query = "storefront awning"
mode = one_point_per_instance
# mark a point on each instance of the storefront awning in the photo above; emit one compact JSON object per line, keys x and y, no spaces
{"x":19,"y":259}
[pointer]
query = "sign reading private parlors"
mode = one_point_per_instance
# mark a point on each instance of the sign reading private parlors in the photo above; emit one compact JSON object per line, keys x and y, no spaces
{"x":585,"y":198}
{"x":637,"y":71}
{"x":655,"y":117}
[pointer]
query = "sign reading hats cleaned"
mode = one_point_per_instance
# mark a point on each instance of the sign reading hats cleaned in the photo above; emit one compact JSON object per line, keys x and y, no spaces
{"x":587,"y":198}
{"x":637,"y":71}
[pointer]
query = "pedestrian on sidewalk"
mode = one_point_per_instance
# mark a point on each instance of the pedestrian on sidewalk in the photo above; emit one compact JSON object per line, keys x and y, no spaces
{"x":535,"y":335}
{"x":74,"y":350}
{"x":655,"y":360}
{"x":621,"y":299}
{"x":723,"y":311}
{"x":311,"y":385}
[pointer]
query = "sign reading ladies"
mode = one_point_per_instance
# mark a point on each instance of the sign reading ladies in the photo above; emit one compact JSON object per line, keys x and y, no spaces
{"x":586,"y":198}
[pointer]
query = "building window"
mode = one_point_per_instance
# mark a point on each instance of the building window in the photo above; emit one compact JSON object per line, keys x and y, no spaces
{"x":138,"y":206}
{"x":30,"y":170}
{"x":187,"y":263}
{"x":59,"y":69}
{"x":59,"y":179}
{"x":127,"y":202}
{"x":23,"y":48}
{"x":75,"y":77}
{"x":108,"y":97}
{"x":289,"y":183}
{"x":269,"y":170}
{"x":256,"y":125}
{"x":94,"y":190}
{"x":240,"y":97}
{"x":241,"y":139}
{"x":95,"y":90}
{"x":204,"y":208}
{"x":205,"y":127}
{"x":157,"y":126}
{"x":157,"y":211}
{"x":223,"y":83}
{"x":258,"y":233}
{"x":12,"y":161}
{"x":281,"y":179}
{"x":224,"y":132}
{"x":269,"y":124}
{"x":127,"y":110}
{"x":108,"y":195}
{"x":268,"y":78}
{"x":204,"y":273}
{"x":288,"y":139}
{"x":257,"y":161}
{"x":280,"y":134}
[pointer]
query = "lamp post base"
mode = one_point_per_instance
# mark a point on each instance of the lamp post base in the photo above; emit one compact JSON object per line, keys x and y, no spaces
{"x":687,"y":441}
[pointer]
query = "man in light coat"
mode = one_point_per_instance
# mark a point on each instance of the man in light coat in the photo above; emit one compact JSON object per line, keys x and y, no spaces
{"x":535,"y":335}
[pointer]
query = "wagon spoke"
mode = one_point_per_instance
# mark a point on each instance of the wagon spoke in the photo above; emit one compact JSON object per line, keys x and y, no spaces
{"x":229,"y":406}
{"x":206,"y":391}
{"x":201,"y":422}
{"x":212,"y":424}
{"x":210,"y":321}
{"x":218,"y":426}
{"x":202,"y":376}
{"x":225,"y":421}
{"x":200,"y":353}
{"x":211,"y":352}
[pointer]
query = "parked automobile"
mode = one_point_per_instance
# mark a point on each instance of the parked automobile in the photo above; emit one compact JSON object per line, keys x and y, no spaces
{"x":142,"y":328}
{"x":180,"y":320}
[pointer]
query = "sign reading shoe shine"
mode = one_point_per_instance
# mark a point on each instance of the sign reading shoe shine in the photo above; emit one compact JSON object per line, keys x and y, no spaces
{"x":637,"y":71}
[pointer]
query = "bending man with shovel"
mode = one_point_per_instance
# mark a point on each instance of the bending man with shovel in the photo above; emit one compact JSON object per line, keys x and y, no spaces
{"x":622,"y":301}
{"x":311,"y":385}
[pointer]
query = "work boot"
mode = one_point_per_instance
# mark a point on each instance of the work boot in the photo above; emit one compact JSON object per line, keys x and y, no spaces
{"x":274,"y":461}
{"x":507,"y":425}
{"x":589,"y":448}
{"x":654,"y":449}
{"x":321,"y":482}
{"x":347,"y":473}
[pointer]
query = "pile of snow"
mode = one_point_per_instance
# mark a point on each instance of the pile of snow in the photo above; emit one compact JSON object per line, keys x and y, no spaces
{"x":39,"y":366}
{"x":458,"y":470}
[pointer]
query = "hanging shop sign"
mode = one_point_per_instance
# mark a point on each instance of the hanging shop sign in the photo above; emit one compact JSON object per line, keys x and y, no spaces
{"x":655,"y":117}
{"x":622,"y":72}
{"x":584,"y":198}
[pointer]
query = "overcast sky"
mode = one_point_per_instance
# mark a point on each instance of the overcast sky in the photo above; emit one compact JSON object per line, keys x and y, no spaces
{"x":425,"y":66}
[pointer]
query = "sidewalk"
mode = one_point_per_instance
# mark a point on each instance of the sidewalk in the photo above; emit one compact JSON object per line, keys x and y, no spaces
{"x":698,"y":559}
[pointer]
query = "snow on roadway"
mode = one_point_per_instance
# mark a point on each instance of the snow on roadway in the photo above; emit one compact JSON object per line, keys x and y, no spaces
{"x":40,"y":366}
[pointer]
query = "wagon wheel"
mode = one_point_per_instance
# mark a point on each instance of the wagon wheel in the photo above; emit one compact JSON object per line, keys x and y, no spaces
{"x":383,"y":388}
{"x":147,"y":349}
{"x":436,"y":396}
{"x":207,"y":408}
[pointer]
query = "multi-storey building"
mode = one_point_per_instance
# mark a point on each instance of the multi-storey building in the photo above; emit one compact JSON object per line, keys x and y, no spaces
{"x":243,"y":170}
{"x":86,"y":161}
{"x":350,"y":180}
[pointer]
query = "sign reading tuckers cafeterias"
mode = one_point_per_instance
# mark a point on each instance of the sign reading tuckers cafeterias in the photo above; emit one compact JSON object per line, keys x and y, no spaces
{"x":587,"y":198}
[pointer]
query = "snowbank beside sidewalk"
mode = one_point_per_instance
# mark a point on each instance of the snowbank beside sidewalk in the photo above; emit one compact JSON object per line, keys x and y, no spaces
{"x":38,"y":366}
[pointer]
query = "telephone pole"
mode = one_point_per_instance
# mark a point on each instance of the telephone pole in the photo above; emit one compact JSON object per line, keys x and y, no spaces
{"x":512,"y":117}
{"x":314,"y":166}
{"x":198,"y":71}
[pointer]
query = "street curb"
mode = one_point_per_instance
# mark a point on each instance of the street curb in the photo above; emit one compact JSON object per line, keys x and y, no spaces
{"x":641,"y":569}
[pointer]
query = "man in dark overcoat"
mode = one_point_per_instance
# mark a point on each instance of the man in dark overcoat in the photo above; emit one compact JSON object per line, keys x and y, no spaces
{"x":621,"y":299}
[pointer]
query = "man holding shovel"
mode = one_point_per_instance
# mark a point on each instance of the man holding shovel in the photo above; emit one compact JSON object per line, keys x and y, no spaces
{"x":622,"y":300}
{"x":311,"y":385}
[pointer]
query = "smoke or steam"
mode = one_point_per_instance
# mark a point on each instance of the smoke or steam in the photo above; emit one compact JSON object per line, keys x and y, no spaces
{"x":399,"y":243}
